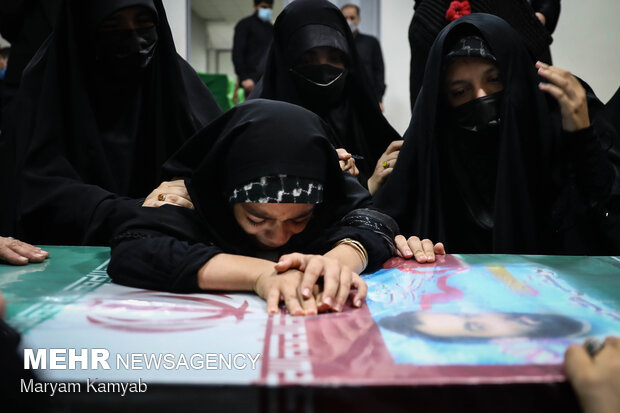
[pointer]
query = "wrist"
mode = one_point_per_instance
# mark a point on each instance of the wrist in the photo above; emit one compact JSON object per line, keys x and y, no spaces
{"x":356,"y":249}
{"x":204,"y":277}
{"x":256,"y":283}
{"x":232,"y":272}
{"x":372,"y":185}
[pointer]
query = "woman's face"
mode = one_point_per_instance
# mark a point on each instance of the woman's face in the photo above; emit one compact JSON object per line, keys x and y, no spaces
{"x":491,"y":325}
{"x":273,"y":225}
{"x":469,"y":78}
{"x":322,"y":56}
{"x":129,"y":18}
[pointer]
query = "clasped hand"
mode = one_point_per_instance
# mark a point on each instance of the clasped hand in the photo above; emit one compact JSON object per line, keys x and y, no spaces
{"x":296,"y":282}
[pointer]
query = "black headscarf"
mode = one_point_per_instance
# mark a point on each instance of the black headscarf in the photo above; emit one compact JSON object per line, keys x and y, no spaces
{"x":263,"y":138}
{"x":87,"y":141}
{"x":164,"y":248}
{"x":425,"y":193}
{"x":357,"y":120}
{"x":97,"y":11}
{"x":430,"y":18}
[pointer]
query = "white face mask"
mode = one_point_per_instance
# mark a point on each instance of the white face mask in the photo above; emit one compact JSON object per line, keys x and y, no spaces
{"x":352,"y":25}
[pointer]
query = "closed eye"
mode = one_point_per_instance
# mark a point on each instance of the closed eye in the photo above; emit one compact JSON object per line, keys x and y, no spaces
{"x":306,"y":59}
{"x":300,"y":221}
{"x":255,"y":222}
{"x":457,"y":92}
{"x":111,"y":23}
{"x":144,"y":18}
{"x":336,"y":56}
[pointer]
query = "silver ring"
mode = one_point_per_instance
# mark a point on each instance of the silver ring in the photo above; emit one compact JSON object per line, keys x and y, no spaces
{"x":593,"y":346}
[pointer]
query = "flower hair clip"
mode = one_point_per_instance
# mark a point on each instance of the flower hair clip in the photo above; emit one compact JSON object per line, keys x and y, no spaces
{"x":458,"y":9}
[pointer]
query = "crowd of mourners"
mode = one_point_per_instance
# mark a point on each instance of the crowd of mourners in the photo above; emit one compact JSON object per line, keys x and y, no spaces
{"x":109,"y":138}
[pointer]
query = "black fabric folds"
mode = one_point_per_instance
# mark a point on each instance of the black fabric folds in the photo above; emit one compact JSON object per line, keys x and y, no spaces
{"x":357,"y":120}
{"x":262,"y":138}
{"x":164,"y":248}
{"x":88,"y":144}
{"x":552,"y":192}
{"x":371,"y":56}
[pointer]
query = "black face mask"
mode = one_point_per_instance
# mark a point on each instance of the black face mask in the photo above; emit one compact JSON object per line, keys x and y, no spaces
{"x":479,"y":115}
{"x":474,"y":160}
{"x":123,"y":54}
{"x":320,"y":86}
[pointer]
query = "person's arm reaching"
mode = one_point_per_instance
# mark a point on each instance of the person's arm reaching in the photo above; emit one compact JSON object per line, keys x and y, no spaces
{"x":150,"y":256}
{"x":596,"y":378}
{"x":595,"y":171}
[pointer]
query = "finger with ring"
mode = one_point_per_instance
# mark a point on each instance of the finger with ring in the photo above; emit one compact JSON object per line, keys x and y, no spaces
{"x":593,"y":346}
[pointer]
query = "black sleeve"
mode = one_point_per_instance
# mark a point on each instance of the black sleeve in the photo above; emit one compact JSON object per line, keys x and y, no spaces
{"x":596,"y":211}
{"x":596,"y":174}
{"x":57,"y":207}
{"x":240,"y":44}
{"x":378,"y":69}
{"x":586,"y":215}
{"x":375,"y":230}
{"x":158,"y":262}
{"x":157,"y":249}
{"x":551,"y":10}
{"x":357,"y":195}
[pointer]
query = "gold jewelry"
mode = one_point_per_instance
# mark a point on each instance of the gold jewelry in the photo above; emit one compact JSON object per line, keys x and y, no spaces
{"x":161,"y":197}
{"x":358,"y":247}
{"x":385,"y":164}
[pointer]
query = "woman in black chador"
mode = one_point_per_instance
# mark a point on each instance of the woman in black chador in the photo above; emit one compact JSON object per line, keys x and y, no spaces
{"x":266,"y":186}
{"x":104,"y":102}
{"x":430,"y":16}
{"x":500,"y":156}
{"x":313,"y":63}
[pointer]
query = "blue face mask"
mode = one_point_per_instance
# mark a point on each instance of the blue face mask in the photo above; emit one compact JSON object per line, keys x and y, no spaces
{"x":264,"y":14}
{"x":2,"y":73}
